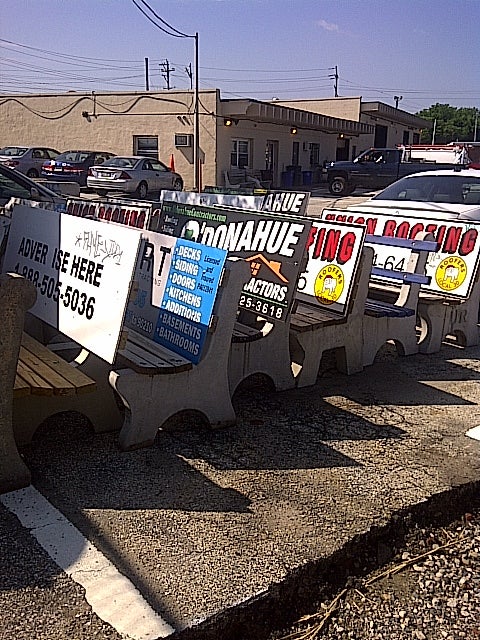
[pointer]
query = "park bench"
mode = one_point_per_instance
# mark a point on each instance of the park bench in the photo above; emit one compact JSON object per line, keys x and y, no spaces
{"x":155,"y":384}
{"x":29,"y":372}
{"x":314,"y":330}
{"x":289,"y":353}
{"x":448,"y":316}
{"x":243,"y":178}
{"x":394,"y":316}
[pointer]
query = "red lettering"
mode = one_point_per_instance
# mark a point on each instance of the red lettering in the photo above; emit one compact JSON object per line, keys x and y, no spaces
{"x":346,"y":248}
{"x":331,"y":244}
{"x":389,"y":229}
{"x":402,"y":229}
{"x":415,"y":230}
{"x":311,"y":235}
{"x":371,"y":225}
{"x":319,"y":242}
{"x":452,"y":240}
{"x":468,"y":242}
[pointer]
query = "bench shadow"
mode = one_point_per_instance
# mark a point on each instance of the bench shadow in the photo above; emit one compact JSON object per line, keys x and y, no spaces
{"x":65,"y":457}
{"x":402,"y":381}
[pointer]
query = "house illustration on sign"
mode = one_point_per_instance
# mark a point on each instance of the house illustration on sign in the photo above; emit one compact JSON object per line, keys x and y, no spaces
{"x":258,"y":261}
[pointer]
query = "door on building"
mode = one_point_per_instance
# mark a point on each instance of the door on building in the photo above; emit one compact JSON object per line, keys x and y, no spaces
{"x":271,"y":161}
{"x":380,"y":136}
{"x":343,"y":149}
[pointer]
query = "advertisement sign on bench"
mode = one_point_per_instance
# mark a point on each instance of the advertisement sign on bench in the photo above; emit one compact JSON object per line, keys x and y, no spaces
{"x":452,"y":268}
{"x":273,"y":245}
{"x":81,"y":269}
{"x":177,"y":285}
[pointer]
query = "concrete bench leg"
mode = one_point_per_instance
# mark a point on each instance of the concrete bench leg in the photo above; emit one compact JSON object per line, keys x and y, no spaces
{"x":150,"y":400}
{"x":433,"y":317}
{"x":378,"y":331}
{"x":344,"y":338}
{"x":16,"y":296}
{"x":269,"y":356}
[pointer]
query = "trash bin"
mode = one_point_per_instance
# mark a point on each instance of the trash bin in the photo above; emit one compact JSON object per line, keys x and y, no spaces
{"x":307,"y":177}
{"x":287,"y":178}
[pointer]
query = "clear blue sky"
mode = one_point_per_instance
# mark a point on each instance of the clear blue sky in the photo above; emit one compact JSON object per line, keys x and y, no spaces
{"x":426,"y":51}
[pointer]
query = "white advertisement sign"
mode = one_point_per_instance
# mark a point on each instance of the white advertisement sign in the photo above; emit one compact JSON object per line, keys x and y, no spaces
{"x":82,"y":270}
{"x":334,"y":251}
{"x":452,"y":269}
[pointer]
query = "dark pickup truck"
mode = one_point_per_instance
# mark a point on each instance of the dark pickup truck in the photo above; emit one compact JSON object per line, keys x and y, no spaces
{"x":374,"y":169}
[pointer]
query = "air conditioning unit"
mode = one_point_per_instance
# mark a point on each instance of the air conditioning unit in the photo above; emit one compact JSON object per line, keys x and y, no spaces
{"x":183,"y":139}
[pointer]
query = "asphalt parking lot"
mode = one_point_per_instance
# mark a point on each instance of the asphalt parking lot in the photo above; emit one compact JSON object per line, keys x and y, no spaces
{"x":224,"y":533}
{"x":228,"y":534}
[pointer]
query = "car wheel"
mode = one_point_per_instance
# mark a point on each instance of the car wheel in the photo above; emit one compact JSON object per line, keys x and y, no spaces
{"x":142,"y":190}
{"x":32,"y":173}
{"x":178,"y":185}
{"x":338,"y":186}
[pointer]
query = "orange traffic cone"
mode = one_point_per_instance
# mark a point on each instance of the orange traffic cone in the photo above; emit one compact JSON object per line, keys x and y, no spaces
{"x":172,"y":163}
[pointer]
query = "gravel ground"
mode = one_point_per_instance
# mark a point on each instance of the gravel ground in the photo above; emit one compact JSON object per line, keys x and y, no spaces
{"x":430,"y":591}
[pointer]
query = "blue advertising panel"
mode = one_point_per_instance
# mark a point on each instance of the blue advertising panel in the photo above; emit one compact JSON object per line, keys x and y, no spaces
{"x":177,"y":282}
{"x":188,"y":298}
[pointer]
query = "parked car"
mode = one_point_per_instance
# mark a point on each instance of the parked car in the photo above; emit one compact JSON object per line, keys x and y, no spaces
{"x":137,"y":175}
{"x":15,"y":185}
{"x":73,"y":166}
{"x":451,"y":193}
{"x":27,"y":160}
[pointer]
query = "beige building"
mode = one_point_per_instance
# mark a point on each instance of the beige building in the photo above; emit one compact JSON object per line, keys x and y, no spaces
{"x":273,"y":137}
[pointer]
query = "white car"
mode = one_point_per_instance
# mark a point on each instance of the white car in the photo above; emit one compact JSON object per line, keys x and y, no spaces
{"x":448,"y":193}
{"x":137,"y":175}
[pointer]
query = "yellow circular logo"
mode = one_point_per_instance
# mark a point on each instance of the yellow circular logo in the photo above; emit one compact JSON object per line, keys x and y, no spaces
{"x":450,"y":273}
{"x":329,"y":284}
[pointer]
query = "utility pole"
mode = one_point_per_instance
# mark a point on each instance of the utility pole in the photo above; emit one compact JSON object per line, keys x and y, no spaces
{"x":166,"y":69}
{"x":188,"y":71}
{"x":196,"y":128}
{"x":147,"y":85}
{"x":334,"y":77}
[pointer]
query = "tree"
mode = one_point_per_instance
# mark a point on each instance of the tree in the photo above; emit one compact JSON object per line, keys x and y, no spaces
{"x":453,"y":123}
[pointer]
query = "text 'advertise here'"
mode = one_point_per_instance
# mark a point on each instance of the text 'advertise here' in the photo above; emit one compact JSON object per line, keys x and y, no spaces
{"x":81,"y":269}
{"x":452,"y":268}
{"x":177,"y":285}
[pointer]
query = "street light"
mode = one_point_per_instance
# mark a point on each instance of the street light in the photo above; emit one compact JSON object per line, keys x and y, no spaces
{"x":397,"y":100}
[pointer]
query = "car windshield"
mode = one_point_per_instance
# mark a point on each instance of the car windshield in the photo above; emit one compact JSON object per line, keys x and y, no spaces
{"x":452,"y":189}
{"x":122,"y":163}
{"x":13,"y":151}
{"x":73,"y":156}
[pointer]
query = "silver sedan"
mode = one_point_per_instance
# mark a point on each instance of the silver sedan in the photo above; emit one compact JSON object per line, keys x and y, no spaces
{"x":138,"y":175}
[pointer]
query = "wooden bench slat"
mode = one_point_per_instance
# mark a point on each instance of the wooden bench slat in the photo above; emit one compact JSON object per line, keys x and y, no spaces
{"x":244,"y":333}
{"x":21,"y":389}
{"x":43,"y":379}
{"x":379,"y":308}
{"x":141,"y":360}
{"x":307,"y":318}
{"x":62,"y":376}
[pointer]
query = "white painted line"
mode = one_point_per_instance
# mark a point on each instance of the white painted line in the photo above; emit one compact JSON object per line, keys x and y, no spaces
{"x":110,"y":594}
{"x":474,"y":433}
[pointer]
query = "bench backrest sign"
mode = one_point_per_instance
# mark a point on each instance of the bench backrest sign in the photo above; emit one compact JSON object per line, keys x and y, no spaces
{"x":127,"y":212}
{"x":334,"y":251}
{"x":291,"y":202}
{"x":273,"y":245}
{"x":177,"y":285}
{"x":82,"y":271}
{"x":452,"y":269}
